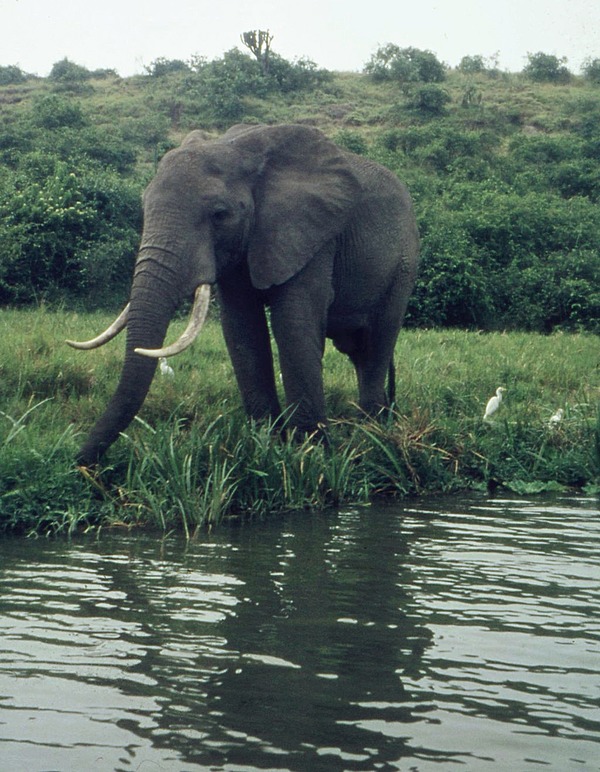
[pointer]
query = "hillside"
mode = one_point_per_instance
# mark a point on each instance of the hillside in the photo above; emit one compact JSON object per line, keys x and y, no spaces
{"x":504,"y":172}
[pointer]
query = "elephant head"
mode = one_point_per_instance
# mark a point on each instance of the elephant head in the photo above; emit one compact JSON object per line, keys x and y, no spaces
{"x":265,"y":198}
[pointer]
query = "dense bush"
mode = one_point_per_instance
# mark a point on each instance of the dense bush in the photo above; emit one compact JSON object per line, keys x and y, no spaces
{"x":542,"y":67}
{"x":161,"y":67}
{"x":63,"y":231}
{"x":405,"y":65}
{"x":220,"y":89}
{"x":10,"y":75}
{"x":472,"y":64}
{"x":57,"y":125}
{"x":223,"y":83}
{"x":66,"y":71}
{"x":453,"y":288}
{"x":496,"y":259}
{"x":561,"y":291}
{"x":53,"y":112}
{"x":352,"y":141}
{"x":430,"y":99}
{"x":299,"y":75}
{"x":223,"y":86}
{"x":564,"y":164}
{"x":591,"y":70}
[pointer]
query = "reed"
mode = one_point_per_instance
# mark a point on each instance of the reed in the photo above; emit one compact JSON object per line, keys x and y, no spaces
{"x":191,"y":458}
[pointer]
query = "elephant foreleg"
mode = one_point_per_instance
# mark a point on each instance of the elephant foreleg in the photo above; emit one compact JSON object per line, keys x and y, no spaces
{"x":248,"y":342}
{"x":299,"y":317}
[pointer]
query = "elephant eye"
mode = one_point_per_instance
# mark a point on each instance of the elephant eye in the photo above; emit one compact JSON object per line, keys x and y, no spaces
{"x":220,"y":214}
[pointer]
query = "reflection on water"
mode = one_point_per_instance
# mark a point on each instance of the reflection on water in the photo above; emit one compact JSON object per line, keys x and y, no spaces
{"x":447,"y":634}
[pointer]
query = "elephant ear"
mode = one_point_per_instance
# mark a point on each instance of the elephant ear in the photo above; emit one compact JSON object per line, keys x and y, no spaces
{"x":304,"y":195}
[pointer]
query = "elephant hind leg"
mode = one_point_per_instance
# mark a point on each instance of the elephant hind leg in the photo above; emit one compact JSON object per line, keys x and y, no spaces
{"x":371,"y":353}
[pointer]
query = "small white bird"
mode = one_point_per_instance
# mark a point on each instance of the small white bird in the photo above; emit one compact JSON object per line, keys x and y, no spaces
{"x":556,"y":418}
{"x":165,"y":369}
{"x":493,"y":403}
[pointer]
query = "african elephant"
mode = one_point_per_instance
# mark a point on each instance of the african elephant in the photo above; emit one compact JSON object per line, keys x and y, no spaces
{"x":276,"y":217}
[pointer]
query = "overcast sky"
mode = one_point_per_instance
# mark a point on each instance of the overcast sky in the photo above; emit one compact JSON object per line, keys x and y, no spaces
{"x":127,"y":35}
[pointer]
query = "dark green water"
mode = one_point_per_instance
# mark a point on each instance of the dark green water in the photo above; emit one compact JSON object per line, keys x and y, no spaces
{"x":448,"y":634}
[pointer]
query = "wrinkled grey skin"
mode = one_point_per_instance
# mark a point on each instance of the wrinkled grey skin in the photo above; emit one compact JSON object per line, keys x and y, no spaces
{"x":275,"y":216}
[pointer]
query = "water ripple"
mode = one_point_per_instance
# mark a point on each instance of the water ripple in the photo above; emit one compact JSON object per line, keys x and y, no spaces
{"x":452,"y":634}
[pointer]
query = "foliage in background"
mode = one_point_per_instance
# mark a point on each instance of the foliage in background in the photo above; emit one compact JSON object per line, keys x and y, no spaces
{"x":591,"y":70}
{"x":503,"y":169}
{"x":11,"y":75}
{"x":221,"y":86}
{"x":405,"y":65}
{"x":477,"y":64}
{"x":543,"y":67}
{"x":65,"y":234}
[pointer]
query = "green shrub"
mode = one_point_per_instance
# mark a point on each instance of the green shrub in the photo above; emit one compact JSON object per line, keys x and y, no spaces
{"x":430,"y":100}
{"x":577,"y":177}
{"x":11,"y":75}
{"x":441,"y":148}
{"x":64,"y":233}
{"x":472,"y":64}
{"x":493,"y":258}
{"x":548,"y":68}
{"x":591,"y":70}
{"x":221,"y":90}
{"x":161,"y":67}
{"x":300,"y":75}
{"x":222,"y":85}
{"x":562,"y":163}
{"x":352,"y":141}
{"x":53,"y":112}
{"x":562,"y":291}
{"x":507,"y":226}
{"x":543,"y":149}
{"x":390,"y":62}
{"x":452,"y":287}
{"x":109,"y":150}
{"x":66,"y":71}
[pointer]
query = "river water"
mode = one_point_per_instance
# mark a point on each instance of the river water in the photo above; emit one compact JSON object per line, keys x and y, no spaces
{"x":445,"y":634}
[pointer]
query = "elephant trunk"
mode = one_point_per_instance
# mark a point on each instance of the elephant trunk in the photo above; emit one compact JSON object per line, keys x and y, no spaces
{"x":151,"y":308}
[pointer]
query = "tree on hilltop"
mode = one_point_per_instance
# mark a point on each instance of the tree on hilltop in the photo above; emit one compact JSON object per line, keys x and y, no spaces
{"x":547,"y":68}
{"x":390,"y":62}
{"x":259,"y":42}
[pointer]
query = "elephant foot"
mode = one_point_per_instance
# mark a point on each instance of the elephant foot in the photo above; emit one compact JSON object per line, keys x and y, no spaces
{"x":316,"y":436}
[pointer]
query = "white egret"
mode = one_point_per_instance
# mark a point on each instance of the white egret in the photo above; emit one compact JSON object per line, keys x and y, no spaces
{"x":493,"y":403}
{"x":556,"y":418}
{"x":165,"y":369}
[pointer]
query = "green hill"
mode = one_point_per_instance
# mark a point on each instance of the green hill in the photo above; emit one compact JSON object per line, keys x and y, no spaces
{"x":504,"y":171}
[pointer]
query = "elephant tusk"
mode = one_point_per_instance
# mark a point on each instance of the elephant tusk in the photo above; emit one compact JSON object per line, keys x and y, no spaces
{"x":199,"y":312}
{"x":111,"y":332}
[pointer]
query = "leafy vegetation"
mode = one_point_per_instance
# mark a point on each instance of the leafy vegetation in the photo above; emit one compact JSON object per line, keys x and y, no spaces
{"x":543,"y":67}
{"x":503,"y":169}
{"x":405,"y":65}
{"x":12,"y":74}
{"x":591,"y":70}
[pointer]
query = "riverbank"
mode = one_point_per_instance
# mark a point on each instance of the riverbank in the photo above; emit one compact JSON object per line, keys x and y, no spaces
{"x":191,"y":458}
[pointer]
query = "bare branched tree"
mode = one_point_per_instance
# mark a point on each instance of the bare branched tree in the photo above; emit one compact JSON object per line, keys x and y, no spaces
{"x":259,"y":42}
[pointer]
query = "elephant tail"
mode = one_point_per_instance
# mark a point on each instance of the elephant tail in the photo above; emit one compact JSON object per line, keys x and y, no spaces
{"x":391,"y":383}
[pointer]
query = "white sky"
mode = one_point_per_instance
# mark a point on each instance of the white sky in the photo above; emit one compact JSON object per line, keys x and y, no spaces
{"x":126,"y":35}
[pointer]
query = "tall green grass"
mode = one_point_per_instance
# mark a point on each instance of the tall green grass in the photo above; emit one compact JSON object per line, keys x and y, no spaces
{"x":191,"y":458}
